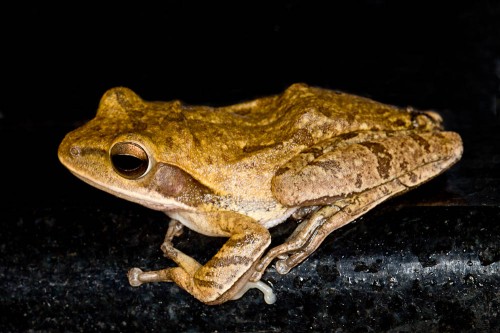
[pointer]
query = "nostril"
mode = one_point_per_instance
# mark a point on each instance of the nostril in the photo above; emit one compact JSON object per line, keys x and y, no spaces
{"x":75,"y":151}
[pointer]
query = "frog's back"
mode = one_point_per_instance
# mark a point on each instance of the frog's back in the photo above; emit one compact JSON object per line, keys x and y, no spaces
{"x":323,"y":113}
{"x":280,"y":125}
{"x":224,"y":147}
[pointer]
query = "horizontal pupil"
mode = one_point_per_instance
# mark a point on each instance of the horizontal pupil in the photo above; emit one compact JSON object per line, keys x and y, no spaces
{"x":127,"y":162}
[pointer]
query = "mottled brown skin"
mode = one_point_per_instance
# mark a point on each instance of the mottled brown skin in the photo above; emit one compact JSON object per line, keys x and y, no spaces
{"x":236,"y":171}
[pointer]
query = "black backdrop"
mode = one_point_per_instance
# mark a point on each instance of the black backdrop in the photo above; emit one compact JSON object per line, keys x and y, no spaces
{"x":405,"y":53}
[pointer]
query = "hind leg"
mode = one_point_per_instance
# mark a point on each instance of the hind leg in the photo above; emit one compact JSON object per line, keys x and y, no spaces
{"x":351,"y":179}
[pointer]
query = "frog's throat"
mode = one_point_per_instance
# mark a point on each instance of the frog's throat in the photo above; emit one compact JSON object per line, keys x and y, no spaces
{"x":155,"y":203}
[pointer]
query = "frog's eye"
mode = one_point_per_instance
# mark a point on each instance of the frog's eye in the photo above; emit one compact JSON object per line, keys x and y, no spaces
{"x":129,"y":159}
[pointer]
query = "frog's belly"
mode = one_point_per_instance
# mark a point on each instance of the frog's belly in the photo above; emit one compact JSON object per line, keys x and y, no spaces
{"x":198,"y":221}
{"x":268,"y":212}
{"x":269,"y":223}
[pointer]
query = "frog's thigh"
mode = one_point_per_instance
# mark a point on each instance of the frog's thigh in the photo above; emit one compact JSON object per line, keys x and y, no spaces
{"x":350,"y":209}
{"x":356,"y":168}
{"x":397,"y":163}
{"x":324,"y":221}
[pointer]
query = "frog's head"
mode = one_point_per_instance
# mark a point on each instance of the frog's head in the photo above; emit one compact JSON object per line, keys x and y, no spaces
{"x":118,"y":152}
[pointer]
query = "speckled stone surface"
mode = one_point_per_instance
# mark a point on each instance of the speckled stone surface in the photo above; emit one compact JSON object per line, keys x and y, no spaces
{"x":428,"y":261}
{"x":400,"y":269}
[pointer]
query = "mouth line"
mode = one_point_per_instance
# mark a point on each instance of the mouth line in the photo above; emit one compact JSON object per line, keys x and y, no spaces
{"x":149,"y":201}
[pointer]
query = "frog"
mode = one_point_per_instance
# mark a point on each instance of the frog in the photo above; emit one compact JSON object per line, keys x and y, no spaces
{"x":317,"y":157}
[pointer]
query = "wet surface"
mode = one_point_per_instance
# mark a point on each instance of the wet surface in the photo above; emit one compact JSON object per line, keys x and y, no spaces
{"x":408,"y":268}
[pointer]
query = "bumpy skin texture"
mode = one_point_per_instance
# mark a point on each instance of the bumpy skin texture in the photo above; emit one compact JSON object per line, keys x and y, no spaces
{"x":236,"y":171}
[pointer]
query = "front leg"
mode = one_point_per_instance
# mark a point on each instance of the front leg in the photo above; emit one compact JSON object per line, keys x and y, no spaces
{"x":175,"y":229}
{"x":225,"y":276}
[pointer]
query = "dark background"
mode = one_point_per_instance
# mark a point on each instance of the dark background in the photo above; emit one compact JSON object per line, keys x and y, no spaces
{"x":428,"y":260}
